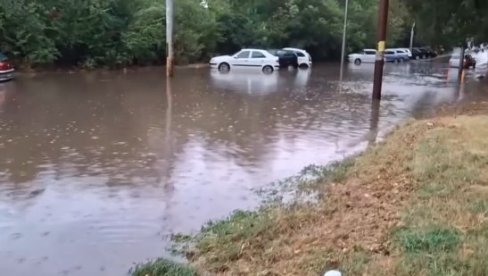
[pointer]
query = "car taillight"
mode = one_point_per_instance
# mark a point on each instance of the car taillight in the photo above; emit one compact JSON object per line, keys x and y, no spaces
{"x":4,"y":65}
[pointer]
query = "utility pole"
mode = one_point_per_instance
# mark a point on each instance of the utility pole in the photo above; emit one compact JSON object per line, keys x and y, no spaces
{"x":343,"y":53}
{"x":169,"y":38}
{"x":461,"y":62}
{"x":412,"y":33}
{"x":380,"y":54}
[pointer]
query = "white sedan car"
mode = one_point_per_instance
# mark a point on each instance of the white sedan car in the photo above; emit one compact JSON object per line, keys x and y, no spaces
{"x":366,"y":56}
{"x":246,"y":58}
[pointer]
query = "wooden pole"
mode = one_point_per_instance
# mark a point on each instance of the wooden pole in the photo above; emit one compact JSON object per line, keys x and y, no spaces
{"x":380,"y":55}
{"x":169,"y":39}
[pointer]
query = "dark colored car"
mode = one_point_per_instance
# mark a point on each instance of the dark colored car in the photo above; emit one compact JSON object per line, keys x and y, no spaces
{"x":429,"y":52}
{"x":417,"y":53}
{"x":285,"y":58}
{"x":6,"y":69}
{"x":469,"y":61}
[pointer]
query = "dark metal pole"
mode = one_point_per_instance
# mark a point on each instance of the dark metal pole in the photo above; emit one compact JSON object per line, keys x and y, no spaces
{"x":380,"y":54}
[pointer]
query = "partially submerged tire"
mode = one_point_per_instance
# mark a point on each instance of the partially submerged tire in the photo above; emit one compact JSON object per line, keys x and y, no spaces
{"x":357,"y":61}
{"x":268,"y":69}
{"x":224,"y":67}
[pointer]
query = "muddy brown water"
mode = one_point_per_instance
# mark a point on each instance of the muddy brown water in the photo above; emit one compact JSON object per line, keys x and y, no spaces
{"x":98,"y":169}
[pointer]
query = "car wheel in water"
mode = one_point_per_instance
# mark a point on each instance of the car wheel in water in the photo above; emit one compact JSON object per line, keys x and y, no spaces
{"x":268,"y":69}
{"x":357,"y":61}
{"x":224,"y":67}
{"x":397,"y":61}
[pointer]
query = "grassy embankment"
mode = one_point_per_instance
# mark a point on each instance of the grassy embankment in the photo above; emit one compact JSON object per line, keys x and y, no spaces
{"x":416,"y":204}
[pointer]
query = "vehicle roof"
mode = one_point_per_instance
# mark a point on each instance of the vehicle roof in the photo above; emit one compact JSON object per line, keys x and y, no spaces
{"x":252,"y":49}
{"x":369,"y":50}
{"x":294,"y":49}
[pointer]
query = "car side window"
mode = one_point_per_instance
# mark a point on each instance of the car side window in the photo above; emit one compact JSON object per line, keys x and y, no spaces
{"x":300,"y":54}
{"x":243,"y":54}
{"x":370,"y":52}
{"x":256,"y":54}
{"x":389,"y":52}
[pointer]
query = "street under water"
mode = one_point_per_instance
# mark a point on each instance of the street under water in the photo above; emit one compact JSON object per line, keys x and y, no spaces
{"x":98,"y":169}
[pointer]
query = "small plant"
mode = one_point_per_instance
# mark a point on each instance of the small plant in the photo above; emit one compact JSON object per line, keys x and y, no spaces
{"x":163,"y":267}
{"x":437,"y":239}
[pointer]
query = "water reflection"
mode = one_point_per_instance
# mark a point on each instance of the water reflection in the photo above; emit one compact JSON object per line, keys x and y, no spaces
{"x":102,"y":162}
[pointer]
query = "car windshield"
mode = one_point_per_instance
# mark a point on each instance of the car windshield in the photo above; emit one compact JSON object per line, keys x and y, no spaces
{"x":2,"y":57}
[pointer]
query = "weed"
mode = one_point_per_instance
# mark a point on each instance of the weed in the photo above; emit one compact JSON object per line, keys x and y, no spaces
{"x":436,"y":239}
{"x":163,"y":267}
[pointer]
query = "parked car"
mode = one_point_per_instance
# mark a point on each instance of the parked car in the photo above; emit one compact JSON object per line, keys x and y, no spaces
{"x":366,"y":56}
{"x":7,"y":71}
{"x":400,"y":54}
{"x":285,"y":58}
{"x":246,"y":58}
{"x":417,"y":53}
{"x":304,"y":58}
{"x":391,"y":56}
{"x":429,"y":52}
{"x":468,"y":62}
{"x":408,"y":51}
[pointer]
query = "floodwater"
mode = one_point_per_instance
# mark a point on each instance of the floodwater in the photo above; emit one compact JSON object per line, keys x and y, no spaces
{"x":98,"y":169}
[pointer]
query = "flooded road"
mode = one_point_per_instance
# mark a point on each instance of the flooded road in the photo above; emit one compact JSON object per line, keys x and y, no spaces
{"x":98,"y":169}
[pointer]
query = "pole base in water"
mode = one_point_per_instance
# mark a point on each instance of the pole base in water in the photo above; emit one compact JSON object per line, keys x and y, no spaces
{"x":169,"y":67}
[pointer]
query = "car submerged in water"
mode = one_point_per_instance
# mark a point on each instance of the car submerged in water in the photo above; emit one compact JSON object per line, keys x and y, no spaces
{"x":247,"y":58}
{"x":285,"y":58}
{"x":369,"y":56}
{"x":7,"y":71}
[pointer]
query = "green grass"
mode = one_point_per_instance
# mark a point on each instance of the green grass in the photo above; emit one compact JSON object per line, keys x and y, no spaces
{"x":310,"y":179}
{"x":448,"y":164}
{"x":163,"y":267}
{"x":433,"y":240}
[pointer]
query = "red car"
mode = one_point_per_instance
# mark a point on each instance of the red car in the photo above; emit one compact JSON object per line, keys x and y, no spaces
{"x":469,"y":61}
{"x":6,"y":69}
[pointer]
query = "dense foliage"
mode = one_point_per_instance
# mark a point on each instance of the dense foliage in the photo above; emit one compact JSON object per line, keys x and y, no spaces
{"x":120,"y":32}
{"x":449,"y":22}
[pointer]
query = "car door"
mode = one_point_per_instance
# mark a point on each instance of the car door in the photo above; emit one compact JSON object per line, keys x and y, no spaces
{"x":257,"y":59}
{"x":369,"y":56}
{"x":241,"y":59}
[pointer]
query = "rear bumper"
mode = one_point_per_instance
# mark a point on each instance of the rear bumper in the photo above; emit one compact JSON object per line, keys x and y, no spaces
{"x":7,"y":75}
